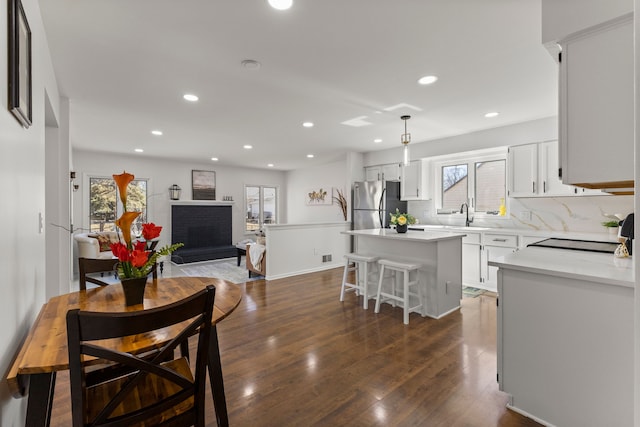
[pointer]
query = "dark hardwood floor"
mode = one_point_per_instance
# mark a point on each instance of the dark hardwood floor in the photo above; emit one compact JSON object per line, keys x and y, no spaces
{"x":293,"y":355}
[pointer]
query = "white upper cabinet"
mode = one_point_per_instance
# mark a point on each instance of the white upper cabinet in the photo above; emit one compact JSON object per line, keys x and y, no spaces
{"x":523,"y":167}
{"x":388,"y":172}
{"x":596,"y":121}
{"x":391,"y":172}
{"x":533,"y":171}
{"x":413,"y":185}
{"x":372,"y":173}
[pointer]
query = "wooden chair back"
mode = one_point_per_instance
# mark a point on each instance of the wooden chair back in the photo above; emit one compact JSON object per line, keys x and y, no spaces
{"x":92,"y":265}
{"x":157,"y":388}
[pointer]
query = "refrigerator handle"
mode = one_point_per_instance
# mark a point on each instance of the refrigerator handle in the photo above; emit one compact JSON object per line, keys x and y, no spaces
{"x":380,"y":208}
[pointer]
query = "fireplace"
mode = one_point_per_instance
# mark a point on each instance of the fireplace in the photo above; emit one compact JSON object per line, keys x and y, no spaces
{"x":205,"y":230}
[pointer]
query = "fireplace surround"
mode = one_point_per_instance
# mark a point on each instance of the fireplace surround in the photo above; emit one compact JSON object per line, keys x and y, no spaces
{"x":205,"y":229}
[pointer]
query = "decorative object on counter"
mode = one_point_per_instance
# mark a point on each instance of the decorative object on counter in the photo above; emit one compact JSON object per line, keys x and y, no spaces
{"x":621,"y":250}
{"x":203,"y":185}
{"x":341,"y":201}
{"x":318,"y":197}
{"x":136,"y":261}
{"x":626,"y":235}
{"x":402,"y":220}
{"x":174,"y":192}
{"x":502,"y":211}
{"x":405,"y":139}
{"x":227,"y":198}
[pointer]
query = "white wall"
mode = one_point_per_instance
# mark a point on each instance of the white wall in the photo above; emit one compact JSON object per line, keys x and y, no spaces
{"x":163,"y":173}
{"x":521,"y":133}
{"x":22,"y":170}
{"x":302,"y":181}
{"x":561,"y":18}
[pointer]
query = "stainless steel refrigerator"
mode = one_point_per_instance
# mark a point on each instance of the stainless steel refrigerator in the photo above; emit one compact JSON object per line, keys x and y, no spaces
{"x":373,"y":201}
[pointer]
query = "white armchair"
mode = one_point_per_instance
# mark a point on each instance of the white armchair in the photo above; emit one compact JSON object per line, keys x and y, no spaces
{"x":89,"y":247}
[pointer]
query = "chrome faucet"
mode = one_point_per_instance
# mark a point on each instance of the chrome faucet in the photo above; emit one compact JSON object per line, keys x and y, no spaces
{"x":467,"y":221}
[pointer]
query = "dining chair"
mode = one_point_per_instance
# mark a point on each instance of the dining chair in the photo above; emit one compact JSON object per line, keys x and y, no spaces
{"x":94,"y":265}
{"x":156,"y":390}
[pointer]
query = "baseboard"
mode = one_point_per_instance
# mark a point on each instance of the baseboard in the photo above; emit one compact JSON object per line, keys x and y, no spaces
{"x":443,"y":314}
{"x":305,"y":271}
{"x":528,"y":415}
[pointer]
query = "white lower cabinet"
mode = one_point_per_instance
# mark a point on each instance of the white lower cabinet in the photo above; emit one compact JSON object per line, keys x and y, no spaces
{"x":471,"y":260}
{"x":565,"y":348}
{"x":480,"y":248}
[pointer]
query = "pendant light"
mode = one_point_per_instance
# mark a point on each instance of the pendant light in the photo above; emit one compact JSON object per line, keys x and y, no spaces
{"x":405,"y":139}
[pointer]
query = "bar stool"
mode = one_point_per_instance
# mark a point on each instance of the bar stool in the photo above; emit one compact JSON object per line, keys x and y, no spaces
{"x":361,"y":265}
{"x":395,"y":268}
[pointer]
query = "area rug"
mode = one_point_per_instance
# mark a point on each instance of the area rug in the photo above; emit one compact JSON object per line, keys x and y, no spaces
{"x":224,"y":269}
{"x":469,"y":292}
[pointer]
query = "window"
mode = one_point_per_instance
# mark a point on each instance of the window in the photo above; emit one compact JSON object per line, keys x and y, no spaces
{"x":105,"y":206}
{"x":478,"y":179}
{"x":262,"y":206}
{"x":454,"y":186}
{"x":490,"y":185}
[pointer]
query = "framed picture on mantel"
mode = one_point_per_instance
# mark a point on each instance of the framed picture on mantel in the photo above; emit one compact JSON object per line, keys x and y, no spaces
{"x":203,"y":185}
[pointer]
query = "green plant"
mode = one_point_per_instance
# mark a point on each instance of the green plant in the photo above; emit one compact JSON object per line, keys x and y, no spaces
{"x":610,"y":223}
{"x":402,"y":218}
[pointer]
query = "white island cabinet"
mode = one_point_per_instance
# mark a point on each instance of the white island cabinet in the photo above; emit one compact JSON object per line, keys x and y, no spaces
{"x":565,"y":336}
{"x":439,"y":253}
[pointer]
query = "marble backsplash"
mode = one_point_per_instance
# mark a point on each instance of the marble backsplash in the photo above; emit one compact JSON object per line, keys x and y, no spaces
{"x":569,"y":214}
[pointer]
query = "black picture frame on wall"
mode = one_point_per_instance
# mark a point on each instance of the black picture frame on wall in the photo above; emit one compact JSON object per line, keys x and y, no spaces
{"x":19,"y":50}
{"x":203,"y":185}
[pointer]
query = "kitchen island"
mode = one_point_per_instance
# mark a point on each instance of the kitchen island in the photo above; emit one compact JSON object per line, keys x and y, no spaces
{"x":565,"y":336}
{"x":439,"y":253}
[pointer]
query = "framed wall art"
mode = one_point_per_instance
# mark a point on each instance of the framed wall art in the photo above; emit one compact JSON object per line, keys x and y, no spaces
{"x":203,"y":185}
{"x":19,"y":63}
{"x":319,"y":197}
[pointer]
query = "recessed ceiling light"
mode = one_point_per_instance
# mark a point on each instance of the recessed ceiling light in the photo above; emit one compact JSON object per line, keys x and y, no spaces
{"x":310,"y":156}
{"x":156,"y":132}
{"x":492,"y":114}
{"x":281,"y":4}
{"x":247,"y":147}
{"x":307,"y":124}
{"x":139,"y":150}
{"x":190,"y":97}
{"x":427,"y":80}
{"x":377,"y":140}
{"x":215,"y":159}
{"x":270,"y":165}
{"x":251,"y":64}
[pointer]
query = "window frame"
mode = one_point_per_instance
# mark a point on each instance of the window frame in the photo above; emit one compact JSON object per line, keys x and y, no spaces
{"x":118,"y":207}
{"x":470,"y":158}
{"x":261,"y":204}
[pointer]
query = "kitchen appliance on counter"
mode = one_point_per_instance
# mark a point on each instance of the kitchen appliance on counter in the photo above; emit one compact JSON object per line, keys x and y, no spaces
{"x":577,"y":245}
{"x":372,"y":203}
{"x":626,"y":231}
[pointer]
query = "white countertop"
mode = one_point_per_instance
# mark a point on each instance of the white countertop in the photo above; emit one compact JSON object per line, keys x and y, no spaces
{"x":416,"y":236}
{"x":572,"y":264}
{"x":581,"y":235}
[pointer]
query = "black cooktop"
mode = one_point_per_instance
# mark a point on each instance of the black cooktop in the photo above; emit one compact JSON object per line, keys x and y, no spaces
{"x":578,"y":245}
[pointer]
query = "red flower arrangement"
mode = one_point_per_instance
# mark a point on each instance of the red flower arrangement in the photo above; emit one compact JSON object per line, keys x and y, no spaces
{"x":136,"y":260}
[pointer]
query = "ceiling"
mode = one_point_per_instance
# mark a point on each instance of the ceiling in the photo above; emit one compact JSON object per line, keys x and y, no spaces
{"x":125,"y":65}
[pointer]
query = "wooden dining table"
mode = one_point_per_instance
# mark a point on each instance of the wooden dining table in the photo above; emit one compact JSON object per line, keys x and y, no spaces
{"x":44,"y":351}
